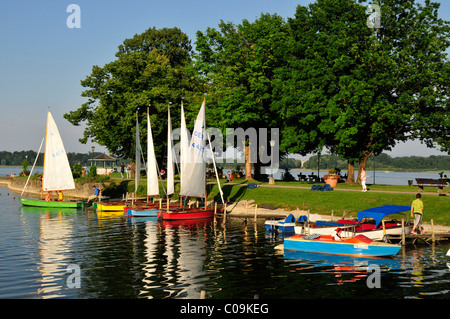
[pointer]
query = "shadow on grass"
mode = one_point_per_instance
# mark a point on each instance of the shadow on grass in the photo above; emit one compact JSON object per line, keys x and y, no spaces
{"x":116,"y":190}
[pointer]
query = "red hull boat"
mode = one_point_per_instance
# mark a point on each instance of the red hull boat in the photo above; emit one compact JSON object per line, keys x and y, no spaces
{"x":190,"y":213}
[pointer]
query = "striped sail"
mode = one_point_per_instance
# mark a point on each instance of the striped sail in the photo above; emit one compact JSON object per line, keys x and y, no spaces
{"x":194,"y":166}
{"x":170,"y":164}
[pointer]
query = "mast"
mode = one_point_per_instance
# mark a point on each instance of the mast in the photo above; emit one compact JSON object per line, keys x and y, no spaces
{"x":34,"y":164}
{"x":204,"y":172}
{"x":45,"y":152}
{"x":170,"y":172}
{"x":137,"y":158}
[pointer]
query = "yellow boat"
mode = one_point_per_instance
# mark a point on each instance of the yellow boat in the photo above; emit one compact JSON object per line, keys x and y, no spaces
{"x":110,"y":207}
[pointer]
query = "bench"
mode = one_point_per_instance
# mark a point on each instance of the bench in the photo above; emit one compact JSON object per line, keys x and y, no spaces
{"x":439,"y":183}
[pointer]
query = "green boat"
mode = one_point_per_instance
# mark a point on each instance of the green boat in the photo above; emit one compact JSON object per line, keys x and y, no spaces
{"x":57,"y":175}
{"x":51,"y":204}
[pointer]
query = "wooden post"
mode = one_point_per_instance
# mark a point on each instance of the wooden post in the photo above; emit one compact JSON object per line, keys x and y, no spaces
{"x":403,"y":232}
{"x":215,"y":212}
{"x":225,"y":212}
{"x":384,"y":230}
{"x":256,"y":212}
{"x":202,"y":294}
{"x":432,"y":232}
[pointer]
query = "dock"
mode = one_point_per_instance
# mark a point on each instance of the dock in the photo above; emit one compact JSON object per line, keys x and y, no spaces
{"x":249,"y":210}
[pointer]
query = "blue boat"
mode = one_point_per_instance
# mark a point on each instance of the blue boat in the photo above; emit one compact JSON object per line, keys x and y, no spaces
{"x":359,"y":245}
{"x":284,"y":225}
{"x":150,"y":211}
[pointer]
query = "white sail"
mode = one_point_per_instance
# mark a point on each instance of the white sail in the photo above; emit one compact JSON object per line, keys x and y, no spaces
{"x":138,"y":157}
{"x":170,"y":166}
{"x":57,"y":173}
{"x":152,"y":171}
{"x":184,"y":149}
{"x":194,"y":167}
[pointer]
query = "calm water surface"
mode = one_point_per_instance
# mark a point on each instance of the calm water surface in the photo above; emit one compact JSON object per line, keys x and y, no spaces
{"x":144,"y":258}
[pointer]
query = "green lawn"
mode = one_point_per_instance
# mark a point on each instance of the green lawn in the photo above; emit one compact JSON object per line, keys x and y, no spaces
{"x":436,"y":207}
{"x":338,"y":201}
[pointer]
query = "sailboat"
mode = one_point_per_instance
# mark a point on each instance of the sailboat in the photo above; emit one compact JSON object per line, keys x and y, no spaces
{"x":193,"y":171}
{"x":121,"y":205}
{"x":151,"y":210}
{"x":57,"y":175}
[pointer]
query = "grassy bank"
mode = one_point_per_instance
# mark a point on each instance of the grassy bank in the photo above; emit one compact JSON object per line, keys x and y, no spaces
{"x":345,"y":198}
{"x":436,"y":207}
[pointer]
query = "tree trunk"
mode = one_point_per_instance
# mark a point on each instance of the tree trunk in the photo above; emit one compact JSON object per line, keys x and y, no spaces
{"x":362,"y":164}
{"x":248,"y":165}
{"x":351,"y":173}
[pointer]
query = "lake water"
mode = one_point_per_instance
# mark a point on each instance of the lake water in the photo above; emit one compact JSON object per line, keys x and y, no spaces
{"x":47,"y":253}
{"x":384,"y":178}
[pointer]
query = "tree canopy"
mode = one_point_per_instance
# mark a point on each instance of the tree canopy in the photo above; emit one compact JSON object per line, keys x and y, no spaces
{"x":152,"y":69}
{"x":359,"y":90}
{"x":325,"y":78}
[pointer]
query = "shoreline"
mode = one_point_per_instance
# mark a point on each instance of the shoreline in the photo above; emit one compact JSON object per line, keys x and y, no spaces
{"x":381,"y":169}
{"x":240,"y":209}
{"x":246,"y":209}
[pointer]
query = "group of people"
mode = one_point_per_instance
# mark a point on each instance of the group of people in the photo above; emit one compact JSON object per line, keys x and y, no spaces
{"x":126,"y":170}
{"x":48,"y":197}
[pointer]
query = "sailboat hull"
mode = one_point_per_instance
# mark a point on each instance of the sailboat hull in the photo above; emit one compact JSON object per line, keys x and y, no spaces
{"x":192,"y":213}
{"x":52,"y":204}
{"x":117,"y":207}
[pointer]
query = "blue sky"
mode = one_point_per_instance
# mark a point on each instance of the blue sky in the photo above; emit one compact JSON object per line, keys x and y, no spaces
{"x":42,"y":60}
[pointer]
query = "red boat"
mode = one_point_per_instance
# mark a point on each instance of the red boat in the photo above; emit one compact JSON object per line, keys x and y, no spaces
{"x":188,"y":213}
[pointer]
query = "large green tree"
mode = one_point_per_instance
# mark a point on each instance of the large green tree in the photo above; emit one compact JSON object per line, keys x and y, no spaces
{"x":240,"y":64}
{"x":153,"y":68}
{"x":359,"y":90}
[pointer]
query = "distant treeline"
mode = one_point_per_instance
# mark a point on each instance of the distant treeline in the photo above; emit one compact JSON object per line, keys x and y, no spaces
{"x":16,"y":158}
{"x":382,"y":162}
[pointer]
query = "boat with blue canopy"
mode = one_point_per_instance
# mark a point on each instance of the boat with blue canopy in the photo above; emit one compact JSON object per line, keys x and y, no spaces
{"x":368,"y":222}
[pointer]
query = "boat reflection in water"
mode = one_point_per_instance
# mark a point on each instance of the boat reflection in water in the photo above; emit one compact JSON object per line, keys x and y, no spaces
{"x":55,"y":239}
{"x":171,"y":255}
{"x":346,"y":269}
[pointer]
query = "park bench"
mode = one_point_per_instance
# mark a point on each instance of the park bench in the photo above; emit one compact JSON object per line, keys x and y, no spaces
{"x":439,"y":183}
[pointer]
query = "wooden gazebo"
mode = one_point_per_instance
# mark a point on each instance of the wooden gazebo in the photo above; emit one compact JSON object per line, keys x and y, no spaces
{"x":105,"y":164}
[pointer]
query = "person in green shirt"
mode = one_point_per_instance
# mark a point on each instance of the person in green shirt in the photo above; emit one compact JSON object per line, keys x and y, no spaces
{"x":417,"y":210}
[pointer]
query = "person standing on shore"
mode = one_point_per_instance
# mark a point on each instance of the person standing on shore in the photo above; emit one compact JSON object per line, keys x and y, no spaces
{"x":128,"y":171}
{"x":122,"y":169}
{"x":363,"y":179}
{"x":417,"y":210}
